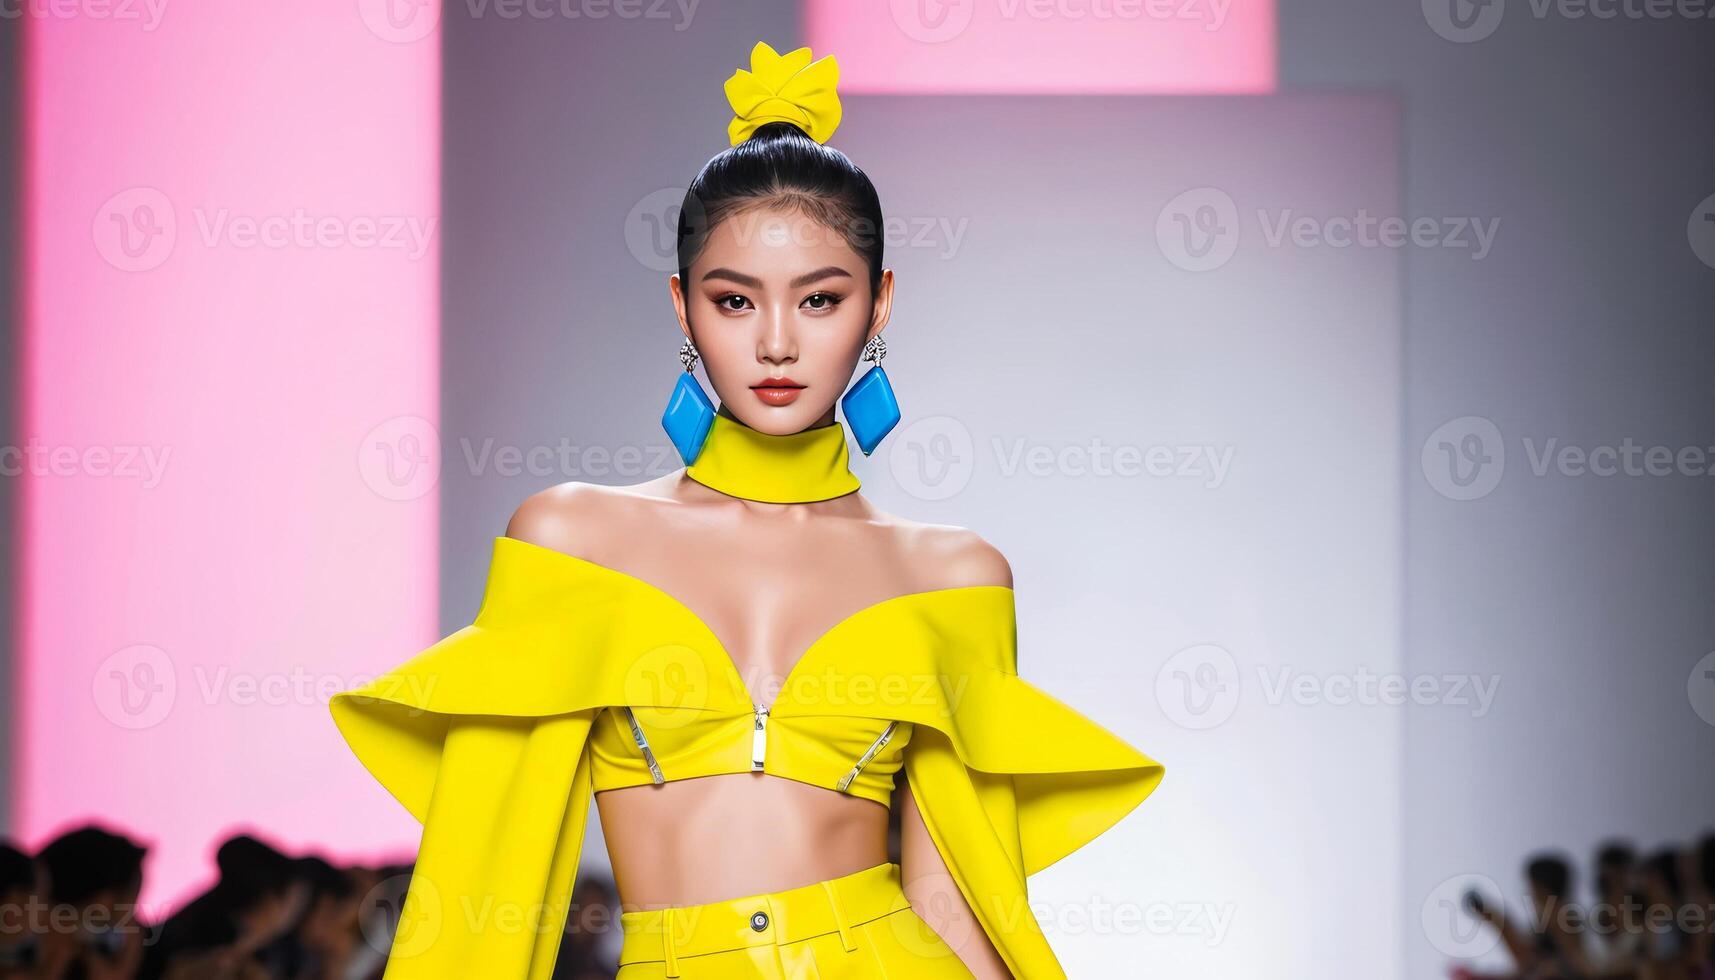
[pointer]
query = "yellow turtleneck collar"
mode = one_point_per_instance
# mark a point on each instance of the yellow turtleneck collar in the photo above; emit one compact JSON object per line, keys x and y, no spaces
{"x":796,"y":468}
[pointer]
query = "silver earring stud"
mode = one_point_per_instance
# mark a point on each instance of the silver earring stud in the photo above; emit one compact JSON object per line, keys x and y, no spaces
{"x":688,"y":355}
{"x":875,"y":350}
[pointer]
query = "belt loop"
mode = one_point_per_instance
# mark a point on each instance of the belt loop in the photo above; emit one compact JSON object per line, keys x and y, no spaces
{"x":667,"y":952}
{"x":839,"y":917}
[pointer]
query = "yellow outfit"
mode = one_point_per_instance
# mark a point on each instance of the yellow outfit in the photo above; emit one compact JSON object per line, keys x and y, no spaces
{"x":784,"y":88}
{"x":496,"y":737}
{"x":855,"y":927}
{"x":637,"y":745}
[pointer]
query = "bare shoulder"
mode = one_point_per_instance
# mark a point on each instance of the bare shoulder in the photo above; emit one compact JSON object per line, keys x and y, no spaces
{"x":953,"y":557}
{"x":576,"y":518}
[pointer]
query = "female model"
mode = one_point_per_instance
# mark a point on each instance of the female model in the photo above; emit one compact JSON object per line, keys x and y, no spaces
{"x":744,"y":662}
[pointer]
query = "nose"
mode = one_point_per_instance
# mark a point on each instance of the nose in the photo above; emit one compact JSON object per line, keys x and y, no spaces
{"x":776,"y":345}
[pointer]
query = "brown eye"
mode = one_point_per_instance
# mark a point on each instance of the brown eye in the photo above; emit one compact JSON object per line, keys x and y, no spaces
{"x":732,"y":298}
{"x":822,"y":301}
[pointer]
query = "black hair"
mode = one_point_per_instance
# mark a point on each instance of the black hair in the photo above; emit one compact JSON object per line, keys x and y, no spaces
{"x":17,"y":870}
{"x":1616,"y":854}
{"x":1706,"y":861}
{"x":1551,"y":873}
{"x":1665,"y":863}
{"x":1613,"y":859}
{"x":252,"y":872}
{"x":84,"y":862}
{"x":325,"y":879}
{"x":781,"y":166}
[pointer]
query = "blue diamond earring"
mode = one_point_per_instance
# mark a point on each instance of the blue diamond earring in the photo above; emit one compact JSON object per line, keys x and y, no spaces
{"x":689,"y":414}
{"x":871,"y":410}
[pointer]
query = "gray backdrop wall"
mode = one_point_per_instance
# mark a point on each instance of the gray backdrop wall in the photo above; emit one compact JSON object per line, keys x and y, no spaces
{"x":1590,"y":323}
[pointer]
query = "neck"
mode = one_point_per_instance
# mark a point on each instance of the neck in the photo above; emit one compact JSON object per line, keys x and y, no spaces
{"x":799,"y":467}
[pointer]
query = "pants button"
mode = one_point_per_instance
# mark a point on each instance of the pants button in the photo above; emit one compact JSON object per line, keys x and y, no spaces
{"x":759,"y":921}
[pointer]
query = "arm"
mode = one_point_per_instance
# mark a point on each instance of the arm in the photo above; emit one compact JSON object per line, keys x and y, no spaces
{"x":959,"y":558}
{"x":1008,"y":779}
{"x":935,"y":896}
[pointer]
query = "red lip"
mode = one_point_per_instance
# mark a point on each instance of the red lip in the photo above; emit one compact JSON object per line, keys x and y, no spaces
{"x":778,"y":383}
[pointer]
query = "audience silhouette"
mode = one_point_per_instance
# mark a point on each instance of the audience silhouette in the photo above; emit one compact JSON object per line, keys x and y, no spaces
{"x":70,"y":912}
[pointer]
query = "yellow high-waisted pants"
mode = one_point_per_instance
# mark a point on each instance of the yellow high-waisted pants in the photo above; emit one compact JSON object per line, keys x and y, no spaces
{"x":855,"y":927}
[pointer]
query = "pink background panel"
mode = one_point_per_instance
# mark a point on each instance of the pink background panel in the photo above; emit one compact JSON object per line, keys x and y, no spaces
{"x":1141,"y":46}
{"x":231,"y":224}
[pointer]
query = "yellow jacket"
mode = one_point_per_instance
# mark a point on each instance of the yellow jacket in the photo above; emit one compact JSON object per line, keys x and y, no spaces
{"x":483,"y":737}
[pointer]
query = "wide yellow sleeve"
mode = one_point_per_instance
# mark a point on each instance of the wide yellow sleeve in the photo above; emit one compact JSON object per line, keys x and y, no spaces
{"x":478,"y":741}
{"x":999,"y":812}
{"x":1008,"y":778}
{"x":499,"y":854}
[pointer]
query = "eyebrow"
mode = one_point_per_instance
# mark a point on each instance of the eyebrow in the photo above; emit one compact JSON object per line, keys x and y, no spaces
{"x":826,"y":272}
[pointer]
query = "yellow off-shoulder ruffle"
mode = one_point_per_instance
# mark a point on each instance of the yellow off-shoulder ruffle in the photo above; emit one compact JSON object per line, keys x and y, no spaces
{"x":483,"y":738}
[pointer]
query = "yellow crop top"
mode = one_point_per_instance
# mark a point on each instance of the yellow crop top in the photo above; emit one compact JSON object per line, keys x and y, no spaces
{"x":634,"y":746}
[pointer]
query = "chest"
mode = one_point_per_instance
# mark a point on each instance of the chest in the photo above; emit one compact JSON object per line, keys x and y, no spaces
{"x":768,"y":589}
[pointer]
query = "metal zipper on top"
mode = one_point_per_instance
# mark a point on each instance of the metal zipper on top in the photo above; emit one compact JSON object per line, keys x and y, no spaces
{"x":643,"y":744}
{"x":759,"y":740}
{"x":846,"y":780}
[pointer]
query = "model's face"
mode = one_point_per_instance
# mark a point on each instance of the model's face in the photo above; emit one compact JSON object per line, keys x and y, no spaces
{"x":779,"y":307}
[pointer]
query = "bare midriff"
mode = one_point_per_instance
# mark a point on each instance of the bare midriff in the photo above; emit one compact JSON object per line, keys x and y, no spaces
{"x":693,"y":841}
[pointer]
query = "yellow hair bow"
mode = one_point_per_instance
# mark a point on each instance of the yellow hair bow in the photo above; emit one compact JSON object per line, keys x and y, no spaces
{"x":784,"y":88}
